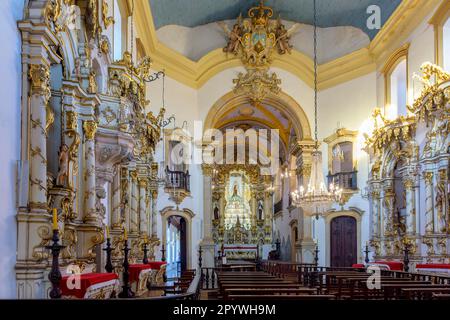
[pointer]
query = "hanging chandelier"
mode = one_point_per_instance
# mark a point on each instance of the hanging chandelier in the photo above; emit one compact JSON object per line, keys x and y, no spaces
{"x":317,"y":198}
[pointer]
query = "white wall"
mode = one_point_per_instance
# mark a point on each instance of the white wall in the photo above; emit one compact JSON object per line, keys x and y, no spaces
{"x":10,"y":80}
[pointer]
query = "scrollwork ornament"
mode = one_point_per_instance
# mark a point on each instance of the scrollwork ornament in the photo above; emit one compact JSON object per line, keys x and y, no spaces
{"x":90,"y":128}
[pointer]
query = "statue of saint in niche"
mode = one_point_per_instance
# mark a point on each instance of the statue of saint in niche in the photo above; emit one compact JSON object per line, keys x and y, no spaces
{"x":63,"y":171}
{"x":216,"y":213}
{"x":260,"y":210}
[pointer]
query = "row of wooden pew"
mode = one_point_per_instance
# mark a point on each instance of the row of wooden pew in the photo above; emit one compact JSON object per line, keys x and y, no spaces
{"x":308,"y":282}
{"x":261,"y":285}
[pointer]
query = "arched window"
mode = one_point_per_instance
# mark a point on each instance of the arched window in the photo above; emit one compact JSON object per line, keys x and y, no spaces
{"x":446,"y":45}
{"x":398,"y":90}
{"x":120,"y":30}
{"x":396,"y":83}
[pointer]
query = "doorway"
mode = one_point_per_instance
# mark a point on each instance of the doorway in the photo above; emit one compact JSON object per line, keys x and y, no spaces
{"x":176,"y":244}
{"x":343,"y":239}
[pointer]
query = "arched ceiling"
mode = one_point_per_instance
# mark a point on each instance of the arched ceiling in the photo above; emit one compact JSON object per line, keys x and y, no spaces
{"x":331,"y":13}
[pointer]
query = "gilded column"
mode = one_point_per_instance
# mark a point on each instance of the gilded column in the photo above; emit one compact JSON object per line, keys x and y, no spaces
{"x":40,"y":94}
{"x":254,"y":209}
{"x":90,"y":213}
{"x":410,"y":206}
{"x":375,"y":213}
{"x":134,"y":228}
{"x":268,"y":211}
{"x":441,"y":199}
{"x":154,"y":221}
{"x":429,"y":210}
{"x":142,"y":206}
{"x":116,"y":204}
{"x":388,"y":209}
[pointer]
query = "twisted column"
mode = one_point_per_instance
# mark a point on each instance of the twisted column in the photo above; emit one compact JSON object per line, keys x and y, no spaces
{"x":154,"y":222}
{"x":134,"y":204}
{"x":388,"y":212}
{"x":39,"y":76}
{"x":142,"y":205}
{"x":429,"y":210}
{"x":410,"y":206}
{"x":375,"y":213}
{"x":115,"y":214}
{"x":90,"y":212}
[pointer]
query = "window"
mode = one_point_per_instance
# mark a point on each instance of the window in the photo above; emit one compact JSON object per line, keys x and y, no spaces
{"x":398,"y":91}
{"x":396,"y":83}
{"x":441,"y":25}
{"x":446,"y":46}
{"x":120,"y":30}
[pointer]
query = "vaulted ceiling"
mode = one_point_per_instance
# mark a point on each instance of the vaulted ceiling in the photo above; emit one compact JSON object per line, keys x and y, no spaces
{"x":331,"y":13}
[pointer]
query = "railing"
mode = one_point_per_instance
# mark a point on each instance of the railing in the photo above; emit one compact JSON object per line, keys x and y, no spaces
{"x":278,"y":207}
{"x":344,"y":180}
{"x":178,"y":180}
{"x":209,"y":278}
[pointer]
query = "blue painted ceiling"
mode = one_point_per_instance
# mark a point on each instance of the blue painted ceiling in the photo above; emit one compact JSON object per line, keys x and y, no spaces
{"x":331,"y":13}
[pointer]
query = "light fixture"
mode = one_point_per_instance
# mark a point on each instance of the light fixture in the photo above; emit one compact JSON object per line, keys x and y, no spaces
{"x":317,"y":198}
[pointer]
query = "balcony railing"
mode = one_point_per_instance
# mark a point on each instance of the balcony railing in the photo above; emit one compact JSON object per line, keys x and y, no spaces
{"x":178,"y":180}
{"x":344,"y":180}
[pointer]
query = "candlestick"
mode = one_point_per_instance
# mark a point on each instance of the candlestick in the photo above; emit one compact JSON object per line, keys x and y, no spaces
{"x":125,"y":235}
{"x":108,"y":249}
{"x":55,"y":274}
{"x":126,"y":289}
{"x":55,"y":219}
{"x":145,"y":259}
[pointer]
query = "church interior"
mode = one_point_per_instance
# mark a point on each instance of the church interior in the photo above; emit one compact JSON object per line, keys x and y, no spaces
{"x":225,"y":150}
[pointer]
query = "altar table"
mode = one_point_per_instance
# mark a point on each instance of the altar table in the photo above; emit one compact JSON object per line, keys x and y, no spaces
{"x":91,"y":285}
{"x":433,"y":267}
{"x":141,"y":274}
{"x":388,"y":265}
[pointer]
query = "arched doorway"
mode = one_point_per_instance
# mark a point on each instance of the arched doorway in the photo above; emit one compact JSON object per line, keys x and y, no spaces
{"x":176,"y":245}
{"x":343,"y":240}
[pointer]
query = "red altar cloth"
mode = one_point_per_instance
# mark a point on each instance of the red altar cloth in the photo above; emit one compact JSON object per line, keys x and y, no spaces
{"x":393,"y":265}
{"x":86,"y":280}
{"x":433,"y":266}
{"x":358,"y":266}
{"x":136,"y":269}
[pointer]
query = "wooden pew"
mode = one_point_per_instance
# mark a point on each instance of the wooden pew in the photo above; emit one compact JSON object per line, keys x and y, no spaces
{"x":267,"y":291}
{"x":282,"y":297}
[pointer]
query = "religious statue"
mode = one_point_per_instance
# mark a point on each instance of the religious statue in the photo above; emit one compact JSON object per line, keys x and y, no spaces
{"x":216,"y":213}
{"x":260,"y":210}
{"x":235,"y":190}
{"x":63,"y":171}
{"x":92,"y":88}
{"x":77,"y":69}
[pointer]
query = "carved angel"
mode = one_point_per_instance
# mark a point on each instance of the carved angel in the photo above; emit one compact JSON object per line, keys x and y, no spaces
{"x":234,"y":36}
{"x":283,"y":36}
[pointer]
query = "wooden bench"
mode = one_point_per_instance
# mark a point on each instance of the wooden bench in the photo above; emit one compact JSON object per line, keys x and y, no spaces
{"x":282,"y":297}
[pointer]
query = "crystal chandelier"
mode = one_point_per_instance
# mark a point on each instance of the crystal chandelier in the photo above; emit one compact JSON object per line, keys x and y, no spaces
{"x":317,"y":198}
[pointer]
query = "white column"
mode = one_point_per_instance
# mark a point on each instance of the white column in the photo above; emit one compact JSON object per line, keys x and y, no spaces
{"x":410,"y":206}
{"x":375,"y":214}
{"x":40,"y":95}
{"x":429,"y":210}
{"x":134,"y":228}
{"x":90,"y":212}
{"x":142,"y":206}
{"x":154,"y":222}
{"x":115,"y":214}
{"x":207,"y":243}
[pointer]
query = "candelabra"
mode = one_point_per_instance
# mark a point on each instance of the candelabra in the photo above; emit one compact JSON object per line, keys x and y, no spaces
{"x":200,"y":251}
{"x":108,"y":250}
{"x":55,"y":274}
{"x":126,"y":289}
{"x":366,"y":260}
{"x":163,"y":253}
{"x":406,"y":251}
{"x":145,"y":259}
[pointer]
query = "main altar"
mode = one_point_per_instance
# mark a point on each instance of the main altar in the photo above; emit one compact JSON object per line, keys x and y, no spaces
{"x":242,"y":212}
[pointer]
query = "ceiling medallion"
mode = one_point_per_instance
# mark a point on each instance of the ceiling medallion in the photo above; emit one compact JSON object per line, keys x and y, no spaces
{"x":254,"y":40}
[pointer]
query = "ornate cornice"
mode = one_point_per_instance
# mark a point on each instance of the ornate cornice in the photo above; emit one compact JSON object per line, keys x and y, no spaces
{"x":402,"y":22}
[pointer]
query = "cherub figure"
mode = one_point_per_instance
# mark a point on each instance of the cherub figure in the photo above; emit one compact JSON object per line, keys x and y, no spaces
{"x":283,"y":37}
{"x":234,"y":37}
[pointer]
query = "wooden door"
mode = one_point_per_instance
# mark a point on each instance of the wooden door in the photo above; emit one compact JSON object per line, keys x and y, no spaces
{"x":343,"y":242}
{"x":183,"y":244}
